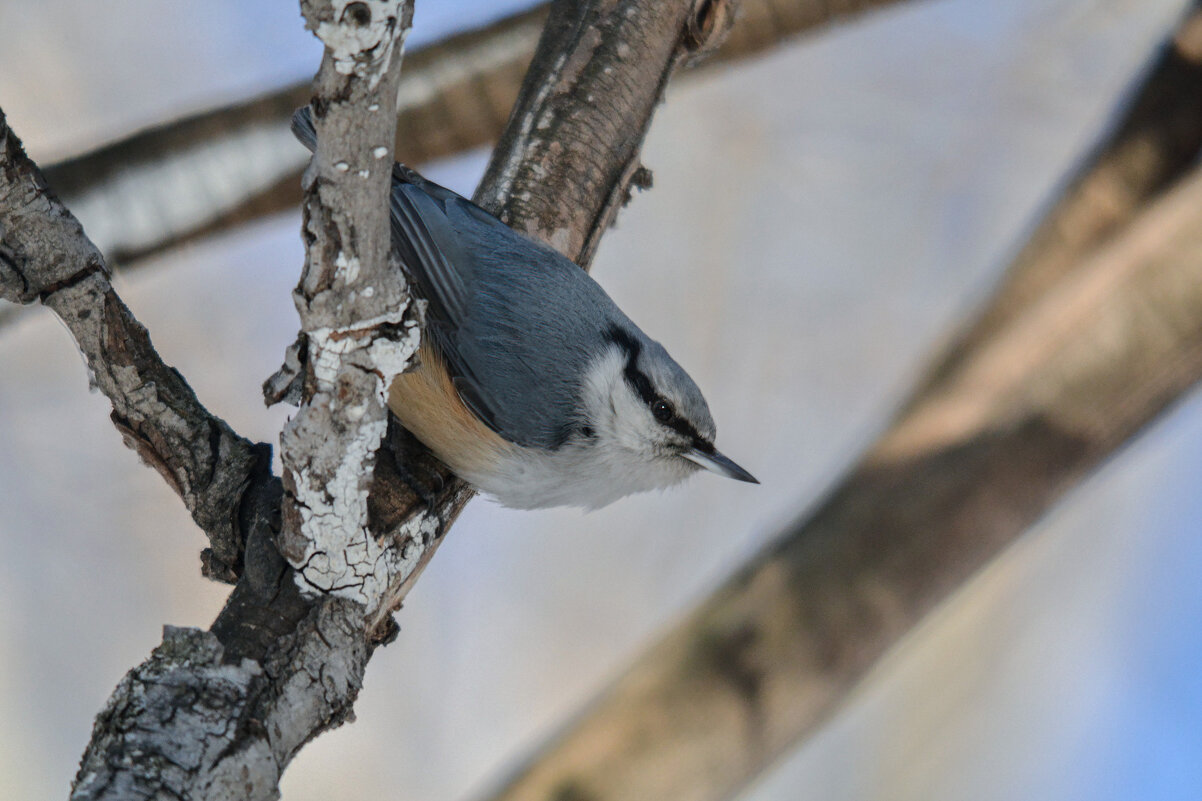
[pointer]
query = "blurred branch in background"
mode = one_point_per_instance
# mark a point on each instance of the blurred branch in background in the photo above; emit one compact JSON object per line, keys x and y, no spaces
{"x":226,"y":166}
{"x":222,"y":168}
{"x":1097,"y":328}
{"x":1154,"y":142}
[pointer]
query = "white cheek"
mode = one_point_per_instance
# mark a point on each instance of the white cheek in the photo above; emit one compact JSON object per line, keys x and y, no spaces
{"x":621,"y":458}
{"x":599,"y":379}
{"x":619,"y":416}
{"x":631,"y":420}
{"x":600,"y":384}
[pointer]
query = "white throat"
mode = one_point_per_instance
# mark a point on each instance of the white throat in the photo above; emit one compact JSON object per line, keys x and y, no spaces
{"x":619,"y":458}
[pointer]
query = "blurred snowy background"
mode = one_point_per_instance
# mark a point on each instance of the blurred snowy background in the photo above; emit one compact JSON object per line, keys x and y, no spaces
{"x":822,"y":216}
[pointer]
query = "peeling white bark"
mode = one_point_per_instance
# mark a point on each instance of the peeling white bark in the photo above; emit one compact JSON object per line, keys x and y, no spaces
{"x":361,"y":36}
{"x":354,"y":308}
{"x":339,"y":555}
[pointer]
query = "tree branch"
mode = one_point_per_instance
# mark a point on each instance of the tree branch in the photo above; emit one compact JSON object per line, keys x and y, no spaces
{"x":353,"y":305}
{"x":569,"y":156}
{"x":1013,"y":416}
{"x":221,"y":713}
{"x":44,"y":255}
{"x":1155,"y":141}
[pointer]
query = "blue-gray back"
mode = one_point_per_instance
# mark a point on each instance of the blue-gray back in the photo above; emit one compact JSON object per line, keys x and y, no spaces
{"x":516,"y":322}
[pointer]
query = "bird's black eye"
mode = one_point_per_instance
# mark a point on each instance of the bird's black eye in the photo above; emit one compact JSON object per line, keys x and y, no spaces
{"x":662,"y":410}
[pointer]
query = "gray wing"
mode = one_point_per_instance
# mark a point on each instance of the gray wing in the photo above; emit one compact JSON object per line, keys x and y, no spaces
{"x":516,"y":323}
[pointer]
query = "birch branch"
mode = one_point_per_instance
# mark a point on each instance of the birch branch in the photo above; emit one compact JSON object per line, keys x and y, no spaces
{"x":226,"y":166}
{"x":220,"y":714}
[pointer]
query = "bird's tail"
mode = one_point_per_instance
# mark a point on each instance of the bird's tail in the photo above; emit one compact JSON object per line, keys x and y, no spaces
{"x":302,"y":128}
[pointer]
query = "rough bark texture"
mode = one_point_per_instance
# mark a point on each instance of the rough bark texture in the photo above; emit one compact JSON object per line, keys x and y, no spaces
{"x":220,"y":714}
{"x":1105,"y":331}
{"x":353,"y":305}
{"x":570,"y":154}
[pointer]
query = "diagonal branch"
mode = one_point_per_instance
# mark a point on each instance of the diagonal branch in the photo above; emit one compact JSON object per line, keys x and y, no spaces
{"x":772,"y":653}
{"x":1156,"y":139}
{"x":1053,"y":381}
{"x":45,"y":256}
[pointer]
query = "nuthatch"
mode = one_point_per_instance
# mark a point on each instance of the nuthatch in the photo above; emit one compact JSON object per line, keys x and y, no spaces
{"x":533,"y":386}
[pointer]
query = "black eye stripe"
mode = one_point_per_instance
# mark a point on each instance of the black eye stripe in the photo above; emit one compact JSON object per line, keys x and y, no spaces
{"x":641,"y":384}
{"x":634,"y":376}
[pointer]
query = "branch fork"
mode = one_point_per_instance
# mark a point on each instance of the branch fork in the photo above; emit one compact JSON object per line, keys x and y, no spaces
{"x":322,"y":557}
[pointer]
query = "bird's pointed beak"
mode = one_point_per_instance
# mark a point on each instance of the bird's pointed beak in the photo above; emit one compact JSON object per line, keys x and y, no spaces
{"x":717,"y":463}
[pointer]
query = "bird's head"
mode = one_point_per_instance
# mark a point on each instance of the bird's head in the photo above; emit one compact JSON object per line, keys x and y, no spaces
{"x":646,"y":415}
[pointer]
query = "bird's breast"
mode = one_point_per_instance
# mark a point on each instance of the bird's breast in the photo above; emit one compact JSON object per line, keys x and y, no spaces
{"x":426,"y":403}
{"x":585,"y":473}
